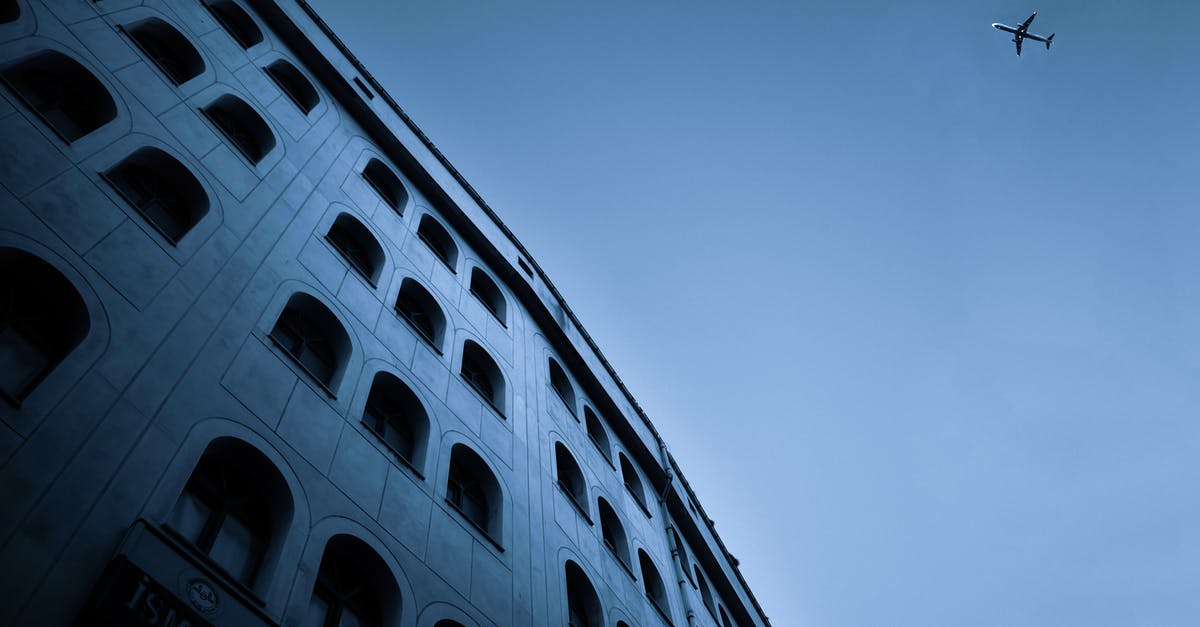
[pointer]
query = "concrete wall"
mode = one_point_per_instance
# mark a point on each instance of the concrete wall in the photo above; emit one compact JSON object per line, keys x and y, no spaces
{"x":178,"y":355}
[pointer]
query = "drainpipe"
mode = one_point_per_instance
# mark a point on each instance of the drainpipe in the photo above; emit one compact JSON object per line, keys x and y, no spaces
{"x":676,"y":550}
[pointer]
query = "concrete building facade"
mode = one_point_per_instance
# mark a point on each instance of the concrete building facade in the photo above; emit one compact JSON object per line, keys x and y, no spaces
{"x":267,"y":359}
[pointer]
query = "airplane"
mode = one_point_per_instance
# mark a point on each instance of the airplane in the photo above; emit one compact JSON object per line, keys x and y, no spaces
{"x":1022,"y":33}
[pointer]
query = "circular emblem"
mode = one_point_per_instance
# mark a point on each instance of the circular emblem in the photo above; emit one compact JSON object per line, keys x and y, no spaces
{"x":202,"y":596}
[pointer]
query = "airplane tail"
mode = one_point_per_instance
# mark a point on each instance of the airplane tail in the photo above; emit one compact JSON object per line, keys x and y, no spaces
{"x":1048,"y":40}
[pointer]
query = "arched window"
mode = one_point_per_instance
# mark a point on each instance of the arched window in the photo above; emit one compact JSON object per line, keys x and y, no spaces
{"x":622,"y":623}
{"x":570,"y":477}
{"x":64,"y":94}
{"x":313,"y":336}
{"x":395,"y":414}
{"x":583,"y":605}
{"x":484,"y":288}
{"x":597,"y":433}
{"x":294,"y":84}
{"x":9,"y":11}
{"x":446,"y":622}
{"x":417,"y":306}
{"x":234,"y":508}
{"x":242,"y":126}
{"x":725,"y":622}
{"x":562,"y":385}
{"x":652,"y":584}
{"x":357,"y":246}
{"x":386,"y":184}
{"x":438,"y":239}
{"x":473,"y":490}
{"x":168,"y":48}
{"x":482,"y":373}
{"x":705,"y":593}
{"x":236,"y":21}
{"x":613,"y":532}
{"x":632,"y":482}
{"x":162,"y":190}
{"x":354,"y":587}
{"x":42,"y":319}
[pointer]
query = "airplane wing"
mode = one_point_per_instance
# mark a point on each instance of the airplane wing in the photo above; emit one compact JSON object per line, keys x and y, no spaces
{"x":1025,"y":26}
{"x":1019,"y":40}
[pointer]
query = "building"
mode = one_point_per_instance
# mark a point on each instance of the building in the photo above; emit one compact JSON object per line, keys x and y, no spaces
{"x":267,"y":359}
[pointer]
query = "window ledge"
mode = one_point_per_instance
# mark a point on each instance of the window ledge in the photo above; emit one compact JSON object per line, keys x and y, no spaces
{"x":638,"y":500}
{"x":627,"y":567}
{"x":487,"y":308}
{"x":312,"y":377}
{"x":403,"y":460}
{"x":183,"y":545}
{"x":660,"y":610}
{"x":577,"y":504}
{"x":428,"y":340}
{"x":353,"y":266}
{"x":601,"y":451}
{"x":487,"y":401}
{"x":483,"y":532}
{"x":566,"y":404}
{"x":145,"y":218}
{"x":382,"y":196}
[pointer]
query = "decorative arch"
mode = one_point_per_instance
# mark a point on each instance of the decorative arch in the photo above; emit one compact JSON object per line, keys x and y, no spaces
{"x":438,"y":239}
{"x":243,"y":126}
{"x":570,"y":478}
{"x":386,"y":183}
{"x":357,"y":246}
{"x":561,"y":384}
{"x":395,"y":414}
{"x":314,"y":337}
{"x":474,"y":490}
{"x":65,"y":95}
{"x":583,"y":604}
{"x":294,"y":84}
{"x":480,"y":370}
{"x":167,"y":48}
{"x":421,"y":310}
{"x":236,"y":21}
{"x":43,"y":318}
{"x":484,"y":288}
{"x":597,"y":433}
{"x":236,"y":508}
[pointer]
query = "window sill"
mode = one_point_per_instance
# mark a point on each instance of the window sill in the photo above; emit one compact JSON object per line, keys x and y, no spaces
{"x":418,"y":331}
{"x":600,"y":450}
{"x":495,"y":316}
{"x":575,"y":503}
{"x":216,"y":571}
{"x":433,"y":249}
{"x":660,"y":610}
{"x":403,"y":460}
{"x":487,"y":401}
{"x":382,"y":196}
{"x":480,"y":530}
{"x":137,"y":209}
{"x":353,"y":266}
{"x":311,"y":376}
{"x":567,"y":404}
{"x":237,"y":148}
{"x":638,"y":500}
{"x":613,"y":553}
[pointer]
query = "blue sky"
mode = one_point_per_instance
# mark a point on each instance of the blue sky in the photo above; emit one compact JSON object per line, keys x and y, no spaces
{"x":917,"y":317}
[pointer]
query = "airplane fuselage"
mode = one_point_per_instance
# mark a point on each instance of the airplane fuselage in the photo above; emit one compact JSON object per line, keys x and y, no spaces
{"x":1016,"y":31}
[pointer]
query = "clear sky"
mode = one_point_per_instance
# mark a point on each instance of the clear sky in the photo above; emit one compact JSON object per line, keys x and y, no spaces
{"x":917,"y":317}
